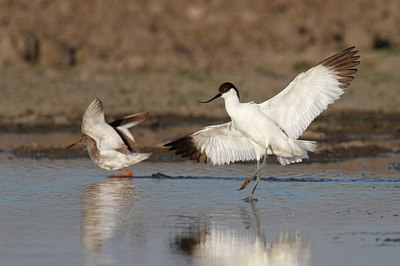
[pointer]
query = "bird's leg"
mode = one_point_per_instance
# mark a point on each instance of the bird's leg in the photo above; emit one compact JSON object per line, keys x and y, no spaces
{"x":117,"y":175}
{"x":265,"y":157}
{"x":129,"y":172}
{"x":247,"y":181}
{"x":123,"y":175}
{"x":264,"y":164}
{"x":259,"y":168}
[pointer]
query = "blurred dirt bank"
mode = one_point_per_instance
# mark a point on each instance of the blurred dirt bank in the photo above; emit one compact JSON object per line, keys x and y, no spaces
{"x":57,"y":56}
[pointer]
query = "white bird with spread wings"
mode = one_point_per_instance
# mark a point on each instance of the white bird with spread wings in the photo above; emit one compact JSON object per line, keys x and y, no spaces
{"x":274,"y":126}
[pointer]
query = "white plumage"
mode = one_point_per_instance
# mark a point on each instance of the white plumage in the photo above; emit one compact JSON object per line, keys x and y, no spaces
{"x":225,"y":144}
{"x":271,"y":127}
{"x":294,"y":108}
{"x":95,"y":126}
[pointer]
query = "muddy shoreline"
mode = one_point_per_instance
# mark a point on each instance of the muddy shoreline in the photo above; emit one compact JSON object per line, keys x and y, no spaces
{"x":340,"y":135}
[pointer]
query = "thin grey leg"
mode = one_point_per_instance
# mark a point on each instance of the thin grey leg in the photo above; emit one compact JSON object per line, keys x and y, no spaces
{"x":265,"y":157}
{"x":264,"y":164}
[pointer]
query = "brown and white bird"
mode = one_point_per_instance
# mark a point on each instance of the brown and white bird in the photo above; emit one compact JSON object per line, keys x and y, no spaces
{"x":274,"y":126}
{"x":111,"y":145}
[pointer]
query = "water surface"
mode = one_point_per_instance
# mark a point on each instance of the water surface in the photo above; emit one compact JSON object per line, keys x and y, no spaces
{"x":68,"y":212}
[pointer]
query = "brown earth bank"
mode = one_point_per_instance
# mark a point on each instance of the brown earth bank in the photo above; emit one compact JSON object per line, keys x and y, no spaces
{"x":32,"y":96}
{"x":200,"y":35}
{"x":163,"y":57}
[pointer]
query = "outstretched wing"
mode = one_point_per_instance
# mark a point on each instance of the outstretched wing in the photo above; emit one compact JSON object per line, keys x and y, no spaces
{"x":95,"y":126}
{"x":294,"y":108}
{"x":122,"y":127}
{"x":219,"y":144}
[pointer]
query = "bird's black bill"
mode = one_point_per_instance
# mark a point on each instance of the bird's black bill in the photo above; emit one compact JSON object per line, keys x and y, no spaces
{"x":215,"y":97}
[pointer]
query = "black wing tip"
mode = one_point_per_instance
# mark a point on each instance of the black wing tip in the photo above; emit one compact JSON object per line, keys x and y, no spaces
{"x":346,"y":53}
{"x":349,"y":49}
{"x":343,"y":65}
{"x":186,"y":147}
{"x":173,"y":143}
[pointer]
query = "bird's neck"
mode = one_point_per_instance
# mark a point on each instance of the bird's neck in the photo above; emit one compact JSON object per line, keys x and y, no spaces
{"x":231,"y":105}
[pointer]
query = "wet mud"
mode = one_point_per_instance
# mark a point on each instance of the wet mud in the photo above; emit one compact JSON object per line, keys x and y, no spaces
{"x":340,"y":136}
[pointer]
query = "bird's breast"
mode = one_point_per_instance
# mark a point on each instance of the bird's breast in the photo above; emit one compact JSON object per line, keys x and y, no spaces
{"x":249,"y":122}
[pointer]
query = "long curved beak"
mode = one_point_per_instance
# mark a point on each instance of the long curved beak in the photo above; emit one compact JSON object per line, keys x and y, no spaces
{"x":212,"y":99}
{"x":73,"y":144}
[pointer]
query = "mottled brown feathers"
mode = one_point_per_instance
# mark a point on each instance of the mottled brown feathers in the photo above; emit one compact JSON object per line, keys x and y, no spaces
{"x":186,"y":147}
{"x":343,"y":64}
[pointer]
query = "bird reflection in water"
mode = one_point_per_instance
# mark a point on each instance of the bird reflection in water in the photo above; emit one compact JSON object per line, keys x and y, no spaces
{"x":223,"y":243}
{"x":107,"y":215}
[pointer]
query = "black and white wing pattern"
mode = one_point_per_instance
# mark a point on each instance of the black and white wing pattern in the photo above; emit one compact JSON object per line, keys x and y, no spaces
{"x":295,"y":107}
{"x":122,"y":127}
{"x":218,"y":144}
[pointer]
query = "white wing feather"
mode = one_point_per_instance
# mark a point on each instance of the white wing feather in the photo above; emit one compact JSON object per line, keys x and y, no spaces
{"x":95,"y":126}
{"x":224,"y":144}
{"x":131,"y":121}
{"x":294,"y":108}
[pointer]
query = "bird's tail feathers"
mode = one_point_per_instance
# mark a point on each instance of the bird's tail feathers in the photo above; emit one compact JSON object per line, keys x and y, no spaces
{"x":302,"y":147}
{"x":289,"y":160}
{"x":142,"y":156}
{"x":307,"y":145}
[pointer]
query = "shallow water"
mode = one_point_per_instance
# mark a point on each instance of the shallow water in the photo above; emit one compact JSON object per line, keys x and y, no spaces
{"x":68,"y":212}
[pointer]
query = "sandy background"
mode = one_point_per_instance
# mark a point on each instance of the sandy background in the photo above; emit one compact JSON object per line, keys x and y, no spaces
{"x":163,"y":57}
